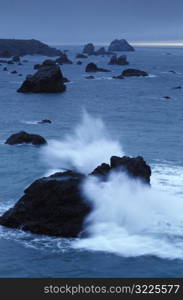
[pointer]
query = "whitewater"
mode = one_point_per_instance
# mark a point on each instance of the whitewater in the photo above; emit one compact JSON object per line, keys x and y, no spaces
{"x":129,"y":218}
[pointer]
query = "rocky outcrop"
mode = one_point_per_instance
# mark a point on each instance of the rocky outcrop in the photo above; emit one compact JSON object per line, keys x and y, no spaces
{"x":56,"y":206}
{"x":23,"y":137}
{"x":16,"y":59}
{"x":121,"y":60}
{"x":80,"y":55}
{"x":91,"y":67}
{"x":79,"y":62}
{"x":133,"y":72}
{"x":89,"y":49}
{"x":45,"y":121}
{"x":48,"y":79}
{"x":14,"y":47}
{"x":90,"y":77}
{"x":63,"y":59}
{"x":118,"y":77}
{"x":120,"y":45}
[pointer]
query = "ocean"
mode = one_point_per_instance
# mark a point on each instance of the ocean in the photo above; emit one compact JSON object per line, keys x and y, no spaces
{"x":134,"y":232}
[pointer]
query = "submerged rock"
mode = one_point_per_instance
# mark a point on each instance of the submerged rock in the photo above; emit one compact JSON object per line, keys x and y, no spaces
{"x":90,"y":77}
{"x":133,"y":72}
{"x":48,"y":79}
{"x":63,"y":59}
{"x":80,"y":55}
{"x":24,"y":137}
{"x":118,"y":77}
{"x":56,"y":206}
{"x":16,"y":59}
{"x":45,"y":121}
{"x":120,"y":45}
{"x":14,"y":72}
{"x":91,"y":67}
{"x":79,"y":62}
{"x":121,"y":60}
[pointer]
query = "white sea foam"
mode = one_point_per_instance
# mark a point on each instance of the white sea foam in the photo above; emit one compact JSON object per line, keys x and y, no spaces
{"x":128,"y":218}
{"x":86,"y":148}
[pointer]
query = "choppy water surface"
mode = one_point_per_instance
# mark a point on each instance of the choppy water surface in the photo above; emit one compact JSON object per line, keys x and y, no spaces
{"x":134,"y":231}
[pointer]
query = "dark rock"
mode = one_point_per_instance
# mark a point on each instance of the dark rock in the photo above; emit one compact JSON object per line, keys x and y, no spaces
{"x":55,"y":205}
{"x":63,"y":59}
{"x":103,"y":169}
{"x":3,"y":61}
{"x":91,"y":67}
{"x":79,"y":62}
{"x":177,"y":87}
{"x":90,"y":77}
{"x":25,"y":61}
{"x":167,"y":97}
{"x":24,"y":137}
{"x":135,"y":167}
{"x":14,"y":72}
{"x":5,"y":69}
{"x":37,"y":66}
{"x":19,"y":74}
{"x":48,"y":79}
{"x":14,"y":47}
{"x":121,"y":60}
{"x":45,"y":121}
{"x":16,"y":59}
{"x":102,"y":51}
{"x":133,"y":72}
{"x":118,"y":77}
{"x":20,"y":64}
{"x":120,"y":45}
{"x":10,"y":62}
{"x":89,"y":49}
{"x":66,"y":80}
{"x":80,"y":55}
{"x":173,"y":72}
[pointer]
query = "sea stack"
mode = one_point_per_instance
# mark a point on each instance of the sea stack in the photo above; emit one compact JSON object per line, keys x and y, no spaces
{"x":120,"y":45}
{"x":48,"y":79}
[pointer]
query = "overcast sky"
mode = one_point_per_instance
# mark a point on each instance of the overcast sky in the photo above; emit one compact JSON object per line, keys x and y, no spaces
{"x":98,"y":21}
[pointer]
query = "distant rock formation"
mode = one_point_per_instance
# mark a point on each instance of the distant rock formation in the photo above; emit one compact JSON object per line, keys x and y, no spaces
{"x":48,"y":79}
{"x":91,"y":67}
{"x":24,"y":137}
{"x":55,"y":205}
{"x":133,"y":72}
{"x":63,"y":59}
{"x":121,"y":60}
{"x":120,"y":45}
{"x":80,"y":55}
{"x":89,"y":49}
{"x":14,"y":47}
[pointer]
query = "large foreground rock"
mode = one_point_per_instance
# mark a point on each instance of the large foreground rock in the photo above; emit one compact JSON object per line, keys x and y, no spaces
{"x":91,"y":67}
{"x":14,"y":47}
{"x":48,"y":79}
{"x":24,"y":137}
{"x":120,"y":45}
{"x":55,"y":206}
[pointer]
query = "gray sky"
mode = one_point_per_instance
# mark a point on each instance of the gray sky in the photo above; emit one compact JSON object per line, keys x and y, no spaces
{"x":98,"y":21}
